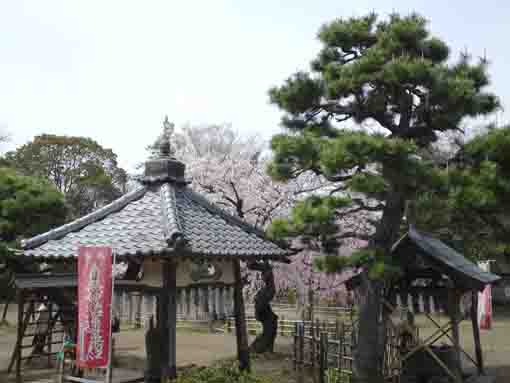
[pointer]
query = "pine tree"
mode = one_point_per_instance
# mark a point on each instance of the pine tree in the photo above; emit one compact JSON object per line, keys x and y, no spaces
{"x":473,"y":211}
{"x":377,"y":95}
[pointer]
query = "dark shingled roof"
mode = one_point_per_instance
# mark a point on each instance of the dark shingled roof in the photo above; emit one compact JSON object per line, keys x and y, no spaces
{"x":421,"y":252}
{"x":150,"y":221}
{"x":442,"y":258}
{"x":162,"y":216}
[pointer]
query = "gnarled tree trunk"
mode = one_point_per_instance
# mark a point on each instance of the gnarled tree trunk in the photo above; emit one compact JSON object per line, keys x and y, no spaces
{"x":264,"y":342}
{"x":369,"y":352}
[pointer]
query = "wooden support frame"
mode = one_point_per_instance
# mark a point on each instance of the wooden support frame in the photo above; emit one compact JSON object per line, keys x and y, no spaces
{"x":422,"y":345}
{"x":444,"y":330}
{"x":476,"y":332}
{"x":21,"y":329}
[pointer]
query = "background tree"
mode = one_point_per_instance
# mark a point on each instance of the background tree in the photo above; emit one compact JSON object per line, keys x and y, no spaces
{"x":28,"y":206}
{"x":378,"y":94}
{"x":229,"y":169}
{"x":85,"y":172}
{"x":472,"y":211}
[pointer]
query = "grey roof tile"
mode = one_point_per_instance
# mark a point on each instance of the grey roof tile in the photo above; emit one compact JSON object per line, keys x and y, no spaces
{"x":149,"y":220}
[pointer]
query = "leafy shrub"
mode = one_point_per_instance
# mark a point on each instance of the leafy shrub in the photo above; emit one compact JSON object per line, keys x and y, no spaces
{"x":222,"y":373}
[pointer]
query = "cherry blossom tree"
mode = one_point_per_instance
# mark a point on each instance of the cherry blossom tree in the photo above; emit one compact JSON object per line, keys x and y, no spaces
{"x":230,"y":169}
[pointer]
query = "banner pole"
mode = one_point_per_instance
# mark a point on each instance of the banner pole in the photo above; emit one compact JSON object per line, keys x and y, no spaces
{"x":110,"y":351}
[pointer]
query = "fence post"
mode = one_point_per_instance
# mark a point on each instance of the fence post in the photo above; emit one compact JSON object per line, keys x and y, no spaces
{"x":138,"y":312}
{"x":131,"y":308}
{"x":341,"y":349}
{"x":282,"y":326}
{"x":313,"y":344}
{"x":323,"y":356}
{"x":296,"y":341}
{"x":50,"y":331}
{"x":301,"y":344}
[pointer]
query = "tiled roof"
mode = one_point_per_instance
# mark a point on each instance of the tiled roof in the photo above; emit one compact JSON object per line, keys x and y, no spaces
{"x":444,"y":259}
{"x":438,"y":256}
{"x":153,"y":220}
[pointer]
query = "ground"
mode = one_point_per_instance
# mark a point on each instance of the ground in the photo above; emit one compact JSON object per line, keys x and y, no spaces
{"x":202,"y":348}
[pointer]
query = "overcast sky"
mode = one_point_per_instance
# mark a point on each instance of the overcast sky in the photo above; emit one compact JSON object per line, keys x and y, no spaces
{"x":111,"y":69}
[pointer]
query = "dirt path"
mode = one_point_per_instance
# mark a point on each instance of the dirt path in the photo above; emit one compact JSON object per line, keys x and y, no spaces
{"x":201,"y":348}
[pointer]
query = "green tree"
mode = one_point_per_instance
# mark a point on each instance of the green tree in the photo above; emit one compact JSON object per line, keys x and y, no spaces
{"x":473,"y":211}
{"x":28,"y":206}
{"x":377,"y":95}
{"x":85,"y":172}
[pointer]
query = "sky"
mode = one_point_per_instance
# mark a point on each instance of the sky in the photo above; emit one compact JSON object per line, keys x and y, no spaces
{"x":112,"y":70}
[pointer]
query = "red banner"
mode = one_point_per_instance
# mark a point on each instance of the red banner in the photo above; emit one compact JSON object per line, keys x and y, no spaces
{"x":94,"y":300}
{"x":485,"y":308}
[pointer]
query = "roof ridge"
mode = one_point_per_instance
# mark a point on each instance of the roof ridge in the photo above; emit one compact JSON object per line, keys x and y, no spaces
{"x":204,"y":202}
{"x":81,"y":222}
{"x":171,"y":221}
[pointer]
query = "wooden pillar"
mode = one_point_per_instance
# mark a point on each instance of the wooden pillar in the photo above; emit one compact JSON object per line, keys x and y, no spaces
{"x":168,"y":317}
{"x":221,"y":302}
{"x":180,"y":302}
{"x":21,"y":326}
{"x":147,"y":303}
{"x":243,"y":353}
{"x":125,"y":303}
{"x":195,"y":300}
{"x":453,"y":309}
{"x":49,"y":339}
{"x":131,"y":308}
{"x":154,"y":307}
{"x":138,"y":310}
{"x":211,"y":299}
{"x":217,"y":302}
{"x":187,"y":298}
{"x":476,"y":332}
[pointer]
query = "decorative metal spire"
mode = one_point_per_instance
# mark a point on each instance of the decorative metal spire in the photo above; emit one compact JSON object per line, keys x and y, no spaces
{"x":165,"y":146}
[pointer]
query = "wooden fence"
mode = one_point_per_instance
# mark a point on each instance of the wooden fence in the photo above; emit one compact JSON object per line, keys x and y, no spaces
{"x":197,"y":303}
{"x":323,"y":350}
{"x":202,"y":304}
{"x":290,"y":310}
{"x":286,"y":327}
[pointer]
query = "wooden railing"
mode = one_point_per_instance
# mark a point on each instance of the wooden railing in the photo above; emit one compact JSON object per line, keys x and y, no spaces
{"x":324,"y":351}
{"x":286,"y":327}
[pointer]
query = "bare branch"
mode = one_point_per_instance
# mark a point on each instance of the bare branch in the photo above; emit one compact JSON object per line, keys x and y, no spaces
{"x":338,"y":189}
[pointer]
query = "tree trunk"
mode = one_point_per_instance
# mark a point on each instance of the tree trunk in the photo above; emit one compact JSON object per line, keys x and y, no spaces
{"x":243,"y":352}
{"x":369,"y":349}
{"x":264,"y":342}
{"x":369,"y":352}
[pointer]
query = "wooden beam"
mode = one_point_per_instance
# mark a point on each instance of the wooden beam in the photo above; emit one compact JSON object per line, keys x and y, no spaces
{"x":476,"y":332}
{"x":449,"y":337}
{"x":21,"y":330}
{"x":453,"y":309}
{"x":243,"y":353}
{"x":21,"y":325}
{"x":168,"y":318}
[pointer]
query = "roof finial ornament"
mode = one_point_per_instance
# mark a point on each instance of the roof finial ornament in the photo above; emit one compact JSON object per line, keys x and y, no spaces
{"x":165,"y":146}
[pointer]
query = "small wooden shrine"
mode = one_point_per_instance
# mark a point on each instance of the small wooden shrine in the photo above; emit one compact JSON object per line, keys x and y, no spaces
{"x":170,"y":229}
{"x":435,"y":278}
